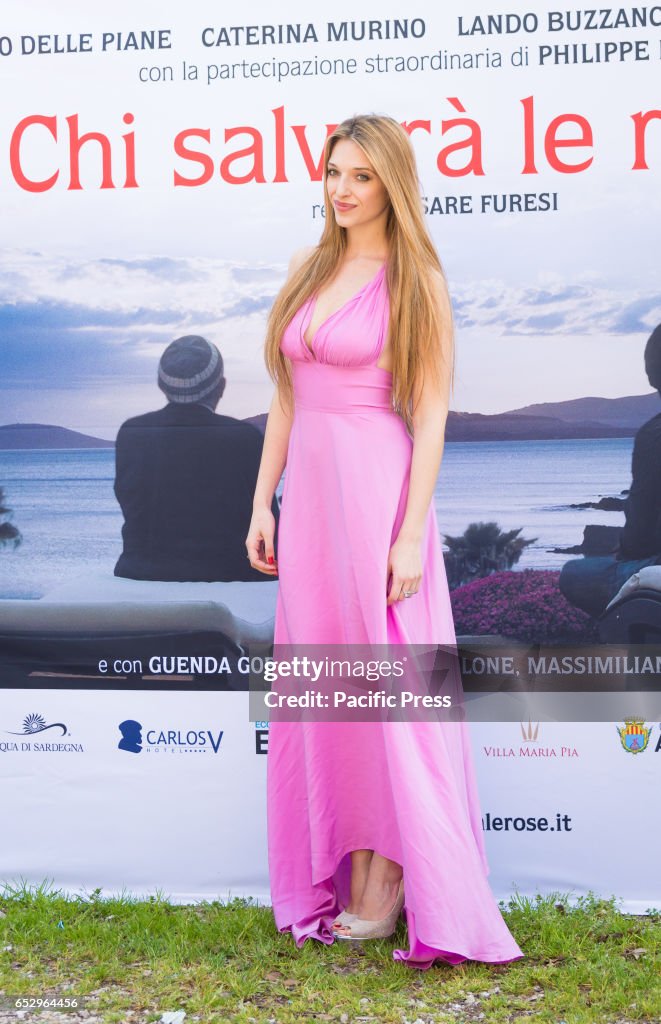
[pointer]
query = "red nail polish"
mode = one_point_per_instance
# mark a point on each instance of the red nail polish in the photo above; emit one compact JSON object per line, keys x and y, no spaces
{"x":270,"y":560}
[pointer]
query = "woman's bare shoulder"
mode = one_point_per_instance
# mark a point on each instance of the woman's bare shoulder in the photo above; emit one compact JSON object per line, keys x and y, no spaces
{"x":299,"y":258}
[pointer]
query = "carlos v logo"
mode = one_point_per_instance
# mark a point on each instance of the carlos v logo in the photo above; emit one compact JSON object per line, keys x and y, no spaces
{"x":634,"y":735}
{"x":131,"y":736}
{"x":33,"y":724}
{"x":166,"y":741}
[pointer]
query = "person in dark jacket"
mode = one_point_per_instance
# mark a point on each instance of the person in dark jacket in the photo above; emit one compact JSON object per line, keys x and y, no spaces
{"x":185,"y":477}
{"x":590,"y":583}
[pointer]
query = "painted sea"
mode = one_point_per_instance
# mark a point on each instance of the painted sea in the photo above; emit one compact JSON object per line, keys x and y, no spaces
{"x":64,"y":505}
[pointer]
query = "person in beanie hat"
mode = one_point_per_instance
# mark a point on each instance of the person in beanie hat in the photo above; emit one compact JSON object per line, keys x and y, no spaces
{"x":185,"y":476}
{"x":590,"y":583}
{"x":190,"y":371}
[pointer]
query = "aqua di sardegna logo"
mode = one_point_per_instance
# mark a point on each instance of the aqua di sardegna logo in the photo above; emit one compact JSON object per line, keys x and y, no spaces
{"x":34,"y":725}
{"x":137,"y":740}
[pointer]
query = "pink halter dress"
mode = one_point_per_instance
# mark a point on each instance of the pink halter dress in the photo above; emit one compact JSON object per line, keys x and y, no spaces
{"x":405,"y":789}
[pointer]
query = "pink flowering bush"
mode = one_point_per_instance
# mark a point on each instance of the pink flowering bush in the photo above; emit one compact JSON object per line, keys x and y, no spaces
{"x":525,"y":605}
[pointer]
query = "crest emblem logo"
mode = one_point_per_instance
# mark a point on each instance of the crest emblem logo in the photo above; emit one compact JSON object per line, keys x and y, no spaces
{"x":634,"y":735}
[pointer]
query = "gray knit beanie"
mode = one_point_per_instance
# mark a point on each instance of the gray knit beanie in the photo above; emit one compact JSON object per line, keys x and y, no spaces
{"x":190,"y":369}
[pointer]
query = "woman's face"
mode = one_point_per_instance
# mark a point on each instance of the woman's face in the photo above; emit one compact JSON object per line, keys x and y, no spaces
{"x":356,"y":192}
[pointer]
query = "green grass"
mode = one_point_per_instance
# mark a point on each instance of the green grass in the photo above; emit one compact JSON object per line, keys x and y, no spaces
{"x":585,"y":962}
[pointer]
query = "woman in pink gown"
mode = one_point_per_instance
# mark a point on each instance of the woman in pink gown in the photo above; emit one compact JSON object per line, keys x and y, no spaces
{"x":355,"y":808}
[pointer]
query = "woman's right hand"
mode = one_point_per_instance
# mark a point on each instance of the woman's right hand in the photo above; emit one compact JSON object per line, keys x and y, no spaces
{"x":259,"y":542}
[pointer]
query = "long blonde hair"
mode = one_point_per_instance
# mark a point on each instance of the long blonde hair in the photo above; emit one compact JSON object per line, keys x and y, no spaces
{"x":422,"y":334}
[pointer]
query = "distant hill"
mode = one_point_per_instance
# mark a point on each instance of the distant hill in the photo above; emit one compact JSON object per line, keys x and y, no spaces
{"x":507,"y":426}
{"x":631,"y":411}
{"x":42,"y":435}
{"x":576,"y":418}
{"x":468,"y":426}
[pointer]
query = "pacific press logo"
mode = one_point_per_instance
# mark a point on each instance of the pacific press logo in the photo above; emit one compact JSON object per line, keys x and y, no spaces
{"x":136,"y":739}
{"x":33,"y":725}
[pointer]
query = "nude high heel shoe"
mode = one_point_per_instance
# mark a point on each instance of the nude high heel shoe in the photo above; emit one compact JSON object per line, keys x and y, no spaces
{"x":381,"y":929}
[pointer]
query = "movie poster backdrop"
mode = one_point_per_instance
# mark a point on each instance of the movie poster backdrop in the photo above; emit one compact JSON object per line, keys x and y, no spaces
{"x":158,"y":168}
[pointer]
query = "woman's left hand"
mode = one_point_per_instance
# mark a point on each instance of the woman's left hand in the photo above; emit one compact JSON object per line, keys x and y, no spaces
{"x":405,"y":567}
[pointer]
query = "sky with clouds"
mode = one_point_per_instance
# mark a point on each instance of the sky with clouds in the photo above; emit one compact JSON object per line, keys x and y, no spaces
{"x":94,"y":283}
